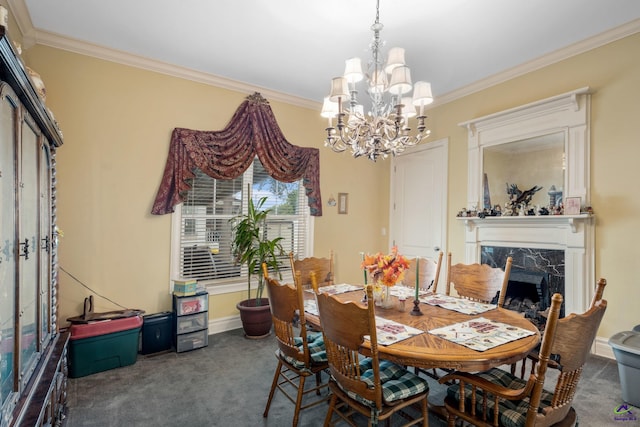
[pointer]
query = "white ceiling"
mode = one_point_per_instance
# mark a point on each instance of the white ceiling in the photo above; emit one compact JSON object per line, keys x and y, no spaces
{"x":297,"y":46}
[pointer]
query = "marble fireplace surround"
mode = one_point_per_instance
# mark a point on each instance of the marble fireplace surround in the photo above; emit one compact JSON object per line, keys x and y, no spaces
{"x":569,"y":114}
{"x":572,"y":234}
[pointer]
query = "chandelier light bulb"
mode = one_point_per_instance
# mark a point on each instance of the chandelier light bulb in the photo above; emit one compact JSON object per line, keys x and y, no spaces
{"x":400,"y":80}
{"x":422,"y":95}
{"x":395,"y":59}
{"x":339,"y":90}
{"x":353,"y":70}
{"x":408,"y":109}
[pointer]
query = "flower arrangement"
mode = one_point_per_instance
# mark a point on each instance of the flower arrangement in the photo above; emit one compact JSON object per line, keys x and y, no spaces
{"x":387,"y":269}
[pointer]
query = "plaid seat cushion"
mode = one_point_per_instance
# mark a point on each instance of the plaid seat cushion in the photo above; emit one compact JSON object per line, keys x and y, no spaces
{"x":513,"y":413}
{"x":397,"y":382}
{"x":317,"y":352}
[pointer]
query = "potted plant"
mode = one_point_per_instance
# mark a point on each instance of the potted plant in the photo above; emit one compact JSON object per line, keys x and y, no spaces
{"x":251,"y":247}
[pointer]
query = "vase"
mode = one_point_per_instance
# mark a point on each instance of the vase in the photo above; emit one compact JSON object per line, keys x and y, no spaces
{"x":382,"y":296}
{"x":387,"y":300}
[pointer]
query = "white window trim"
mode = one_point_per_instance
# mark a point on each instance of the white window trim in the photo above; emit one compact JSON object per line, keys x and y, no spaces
{"x":234,"y":285}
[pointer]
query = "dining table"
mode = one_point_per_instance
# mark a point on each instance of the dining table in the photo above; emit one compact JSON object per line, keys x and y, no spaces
{"x":425,"y":347}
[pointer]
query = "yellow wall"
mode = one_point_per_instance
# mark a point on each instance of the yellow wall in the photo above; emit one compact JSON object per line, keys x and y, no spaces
{"x":613,"y":74}
{"x":117,"y":122}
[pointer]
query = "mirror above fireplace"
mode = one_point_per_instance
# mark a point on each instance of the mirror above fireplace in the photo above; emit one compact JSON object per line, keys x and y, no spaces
{"x":531,"y":162}
{"x":544,"y":143}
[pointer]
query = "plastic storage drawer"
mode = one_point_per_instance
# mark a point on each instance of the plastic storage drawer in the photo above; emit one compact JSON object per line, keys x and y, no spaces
{"x":195,"y":322}
{"x":192,"y":341}
{"x":191,"y":305}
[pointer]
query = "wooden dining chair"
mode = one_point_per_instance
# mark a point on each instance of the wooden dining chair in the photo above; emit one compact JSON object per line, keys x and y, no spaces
{"x":499,"y":398}
{"x":429,"y":272}
{"x":478,"y":282}
{"x":323,"y":268}
{"x":375,"y":388}
{"x":300,"y":354}
{"x":528,"y":364}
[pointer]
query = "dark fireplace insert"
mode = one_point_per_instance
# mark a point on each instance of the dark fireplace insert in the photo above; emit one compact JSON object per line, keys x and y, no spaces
{"x":536,"y":274}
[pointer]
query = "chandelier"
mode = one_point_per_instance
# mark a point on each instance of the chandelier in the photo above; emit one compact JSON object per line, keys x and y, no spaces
{"x":385,"y":128}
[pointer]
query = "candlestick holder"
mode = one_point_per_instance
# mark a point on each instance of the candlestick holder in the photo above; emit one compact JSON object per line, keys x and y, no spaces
{"x":416,"y":308}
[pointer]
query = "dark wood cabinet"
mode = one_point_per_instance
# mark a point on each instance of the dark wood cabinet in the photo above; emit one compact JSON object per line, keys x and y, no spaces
{"x":33,"y":366}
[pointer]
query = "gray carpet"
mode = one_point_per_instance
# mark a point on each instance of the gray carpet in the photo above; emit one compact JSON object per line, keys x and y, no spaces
{"x":227,"y":384}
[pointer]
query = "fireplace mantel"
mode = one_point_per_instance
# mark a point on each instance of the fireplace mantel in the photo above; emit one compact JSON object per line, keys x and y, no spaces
{"x":573,"y":234}
{"x":572,"y":221}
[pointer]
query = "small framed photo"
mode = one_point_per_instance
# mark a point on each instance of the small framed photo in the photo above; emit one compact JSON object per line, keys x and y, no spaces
{"x":572,"y":205}
{"x":343,"y":203}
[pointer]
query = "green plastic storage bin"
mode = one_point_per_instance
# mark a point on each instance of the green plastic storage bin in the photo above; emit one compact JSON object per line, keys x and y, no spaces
{"x":91,"y":351}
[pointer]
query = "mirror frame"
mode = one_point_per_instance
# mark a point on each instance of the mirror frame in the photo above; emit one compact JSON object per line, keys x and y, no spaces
{"x":568,"y":113}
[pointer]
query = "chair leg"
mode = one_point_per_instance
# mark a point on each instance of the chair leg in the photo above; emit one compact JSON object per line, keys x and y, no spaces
{"x":274,"y":384}
{"x":425,"y":413}
{"x":318,"y":381}
{"x":296,"y":413}
{"x":332,"y":407}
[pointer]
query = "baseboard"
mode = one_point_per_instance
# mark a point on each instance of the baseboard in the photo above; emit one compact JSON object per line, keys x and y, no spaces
{"x":224,"y":324}
{"x":602,"y":348}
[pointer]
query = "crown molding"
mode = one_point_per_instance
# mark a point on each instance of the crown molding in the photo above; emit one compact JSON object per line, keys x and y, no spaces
{"x":83,"y":48}
{"x":541,"y":62}
{"x":33,"y":36}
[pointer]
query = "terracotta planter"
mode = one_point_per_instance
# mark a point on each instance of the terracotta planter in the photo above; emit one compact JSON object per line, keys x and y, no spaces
{"x":256,"y":319}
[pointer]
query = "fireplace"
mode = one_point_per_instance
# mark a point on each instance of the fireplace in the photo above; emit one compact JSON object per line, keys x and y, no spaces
{"x":559,"y":246}
{"x":536,"y":274}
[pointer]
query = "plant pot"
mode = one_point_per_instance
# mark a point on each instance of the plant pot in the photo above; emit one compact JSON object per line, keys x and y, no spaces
{"x":256,"y":319}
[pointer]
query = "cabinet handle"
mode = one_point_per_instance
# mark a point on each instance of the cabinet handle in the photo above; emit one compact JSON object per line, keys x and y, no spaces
{"x":25,"y":249}
{"x":46,"y":243}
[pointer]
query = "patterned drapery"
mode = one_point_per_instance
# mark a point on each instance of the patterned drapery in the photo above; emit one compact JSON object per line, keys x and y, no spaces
{"x":227,"y":153}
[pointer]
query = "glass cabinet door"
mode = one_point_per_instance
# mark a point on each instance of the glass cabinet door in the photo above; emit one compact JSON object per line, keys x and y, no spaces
{"x":45,"y":243}
{"x":8,"y":251}
{"x":29,"y":254}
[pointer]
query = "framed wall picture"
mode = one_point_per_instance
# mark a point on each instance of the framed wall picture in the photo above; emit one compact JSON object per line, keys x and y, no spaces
{"x":343,"y":203}
{"x":572,"y":205}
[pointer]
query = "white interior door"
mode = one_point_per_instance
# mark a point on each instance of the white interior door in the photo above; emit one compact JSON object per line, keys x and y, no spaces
{"x":418,"y":223}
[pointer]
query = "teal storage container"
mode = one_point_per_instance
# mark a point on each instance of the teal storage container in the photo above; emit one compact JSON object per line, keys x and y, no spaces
{"x":102,"y":346}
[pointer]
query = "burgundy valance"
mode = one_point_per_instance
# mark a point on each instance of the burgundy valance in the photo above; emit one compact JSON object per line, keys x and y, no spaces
{"x":227,"y":153}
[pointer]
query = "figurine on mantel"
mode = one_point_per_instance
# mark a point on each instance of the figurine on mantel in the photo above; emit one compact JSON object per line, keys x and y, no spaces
{"x":519,"y":200}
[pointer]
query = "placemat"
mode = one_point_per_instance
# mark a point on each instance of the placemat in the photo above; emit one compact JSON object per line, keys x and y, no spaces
{"x":481,"y":334}
{"x":337,"y":289}
{"x":311,"y":307}
{"x":390,"y":332}
{"x":461,"y":305}
{"x":407,"y":292}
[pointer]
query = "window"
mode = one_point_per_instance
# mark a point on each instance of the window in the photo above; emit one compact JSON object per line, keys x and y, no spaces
{"x":201,"y":247}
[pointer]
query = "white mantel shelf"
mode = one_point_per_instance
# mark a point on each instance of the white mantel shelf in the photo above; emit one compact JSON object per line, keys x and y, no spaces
{"x":526,"y":221}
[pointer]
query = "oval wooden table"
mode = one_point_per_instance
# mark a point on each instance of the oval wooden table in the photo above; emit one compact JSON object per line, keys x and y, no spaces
{"x":430,"y":351}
